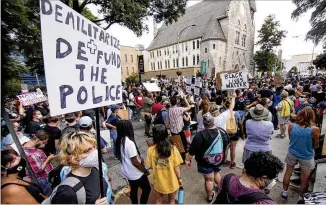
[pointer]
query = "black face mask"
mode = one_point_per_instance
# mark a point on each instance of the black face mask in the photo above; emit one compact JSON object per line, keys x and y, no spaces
{"x":19,"y":168}
{"x":20,"y":128}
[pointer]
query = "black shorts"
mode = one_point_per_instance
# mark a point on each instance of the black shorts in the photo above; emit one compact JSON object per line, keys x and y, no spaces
{"x":235,"y":137}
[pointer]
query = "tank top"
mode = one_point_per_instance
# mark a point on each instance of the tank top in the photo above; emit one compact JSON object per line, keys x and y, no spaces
{"x":33,"y":189}
{"x":301,"y":142}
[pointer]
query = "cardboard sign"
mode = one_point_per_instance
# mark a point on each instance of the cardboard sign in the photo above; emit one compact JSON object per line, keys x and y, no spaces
{"x":123,"y":114}
{"x":198,"y":82}
{"x":152,"y":87}
{"x":31,"y":98}
{"x":278,"y":80}
{"x":189,"y":79}
{"x":235,"y":80}
{"x":176,"y":139}
{"x":81,"y":60}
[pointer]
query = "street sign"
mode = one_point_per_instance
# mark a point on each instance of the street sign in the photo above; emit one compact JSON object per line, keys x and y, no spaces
{"x":141,"y":64}
{"x":81,"y":60}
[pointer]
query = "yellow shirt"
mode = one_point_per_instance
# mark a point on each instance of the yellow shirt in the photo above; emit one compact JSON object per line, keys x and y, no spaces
{"x":165,"y":179}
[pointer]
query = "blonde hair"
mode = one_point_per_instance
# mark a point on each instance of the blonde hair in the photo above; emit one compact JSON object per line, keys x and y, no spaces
{"x":72,"y":147}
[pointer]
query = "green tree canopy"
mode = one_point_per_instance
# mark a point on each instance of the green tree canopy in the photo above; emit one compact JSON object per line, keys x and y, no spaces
{"x":320,"y":62}
{"x":132,"y":79}
{"x":270,"y":36}
{"x":317,"y":33}
{"x":294,"y":69}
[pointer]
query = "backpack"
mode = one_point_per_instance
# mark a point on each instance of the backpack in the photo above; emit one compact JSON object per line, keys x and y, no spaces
{"x":284,"y":111}
{"x":54,"y":176}
{"x":214,"y":155}
{"x":225,"y":198}
{"x":159,"y":117}
{"x":231,"y":125}
{"x":74,"y":183}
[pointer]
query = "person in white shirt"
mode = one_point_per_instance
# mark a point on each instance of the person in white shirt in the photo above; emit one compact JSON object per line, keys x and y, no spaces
{"x":8,"y":141}
{"x":220,"y":120}
{"x":132,"y":165}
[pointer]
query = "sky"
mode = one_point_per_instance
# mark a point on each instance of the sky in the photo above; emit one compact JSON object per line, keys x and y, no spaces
{"x":293,"y":44}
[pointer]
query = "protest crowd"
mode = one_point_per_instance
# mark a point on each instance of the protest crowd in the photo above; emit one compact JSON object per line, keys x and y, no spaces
{"x":179,"y":127}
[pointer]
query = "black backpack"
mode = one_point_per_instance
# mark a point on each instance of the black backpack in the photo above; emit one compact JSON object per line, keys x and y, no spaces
{"x":159,"y":118}
{"x":54,"y":176}
{"x":225,"y":198}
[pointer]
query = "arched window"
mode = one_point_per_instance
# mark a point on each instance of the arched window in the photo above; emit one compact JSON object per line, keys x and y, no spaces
{"x":205,"y":50}
{"x":213,"y":45}
{"x":243,"y":66}
{"x":245,"y":27}
{"x":161,"y":64}
{"x":186,"y":61}
{"x":194,"y":45}
{"x":168,"y":63}
{"x":194,"y":60}
{"x":197,"y":44}
{"x":183,"y":62}
{"x":173,"y":63}
{"x":197,"y":59}
{"x":236,"y":67}
{"x":126,"y":58}
{"x":132,"y":58}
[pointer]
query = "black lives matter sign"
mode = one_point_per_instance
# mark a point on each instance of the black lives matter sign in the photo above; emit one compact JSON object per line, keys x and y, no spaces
{"x":234,"y":80}
{"x":81,"y":60}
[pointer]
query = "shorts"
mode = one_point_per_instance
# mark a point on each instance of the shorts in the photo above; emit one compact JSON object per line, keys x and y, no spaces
{"x":206,"y":171}
{"x":234,"y":137}
{"x":283,"y":120}
{"x":307,"y":164}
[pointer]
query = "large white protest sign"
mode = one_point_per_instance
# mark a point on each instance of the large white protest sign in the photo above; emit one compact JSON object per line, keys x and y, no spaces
{"x":81,"y":60}
{"x":31,"y":98}
{"x":188,"y":89}
{"x":234,"y":80}
{"x":198,"y":82}
{"x":197,"y":91}
{"x":152,"y":87}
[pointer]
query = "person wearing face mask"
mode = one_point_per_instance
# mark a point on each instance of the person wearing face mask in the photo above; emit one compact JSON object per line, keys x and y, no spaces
{"x":8,"y":141}
{"x":40,"y":163}
{"x":15,"y":190}
{"x":78,"y":150}
{"x":36,"y":124}
{"x":303,"y":103}
{"x":259,"y":173}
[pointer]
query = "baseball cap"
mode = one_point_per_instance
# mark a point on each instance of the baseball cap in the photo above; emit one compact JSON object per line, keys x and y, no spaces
{"x":114,"y":108}
{"x":85,"y":121}
{"x":208,"y":119}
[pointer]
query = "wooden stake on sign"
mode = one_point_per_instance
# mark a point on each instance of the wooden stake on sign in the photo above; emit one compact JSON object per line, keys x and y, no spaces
{"x":98,"y":137}
{"x":19,"y":146}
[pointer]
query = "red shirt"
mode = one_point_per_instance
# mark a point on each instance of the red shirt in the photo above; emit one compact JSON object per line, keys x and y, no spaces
{"x":36,"y":158}
{"x":156,"y":108}
{"x":139,"y":100}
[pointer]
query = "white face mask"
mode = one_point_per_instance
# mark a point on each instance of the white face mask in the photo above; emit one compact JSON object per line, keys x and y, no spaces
{"x":90,"y":161}
{"x":39,"y":116}
{"x":271,"y":185}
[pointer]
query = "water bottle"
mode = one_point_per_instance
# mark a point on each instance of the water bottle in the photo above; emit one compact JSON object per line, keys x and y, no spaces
{"x":180,"y":195}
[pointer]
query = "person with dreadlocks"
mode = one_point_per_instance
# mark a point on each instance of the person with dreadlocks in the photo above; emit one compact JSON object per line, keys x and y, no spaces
{"x":132,"y":165}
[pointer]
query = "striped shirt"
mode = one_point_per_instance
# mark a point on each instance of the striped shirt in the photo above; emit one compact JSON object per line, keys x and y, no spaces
{"x":175,"y":119}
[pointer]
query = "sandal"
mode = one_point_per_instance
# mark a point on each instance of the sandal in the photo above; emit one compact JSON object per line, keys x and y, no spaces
{"x":226,"y":163}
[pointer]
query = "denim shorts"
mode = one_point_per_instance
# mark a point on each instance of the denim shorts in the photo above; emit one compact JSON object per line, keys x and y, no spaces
{"x":206,"y":171}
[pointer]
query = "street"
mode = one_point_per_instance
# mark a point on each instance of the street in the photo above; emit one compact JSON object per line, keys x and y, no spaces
{"x":193,"y":181}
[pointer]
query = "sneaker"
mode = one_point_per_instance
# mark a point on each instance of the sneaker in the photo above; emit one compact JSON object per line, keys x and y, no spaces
{"x":283,"y":136}
{"x":212,"y":198}
{"x":226,"y":163}
{"x":284,"y":195}
{"x":278,"y":136}
{"x":233,"y":165}
{"x":300,"y":201}
{"x":276,"y":128}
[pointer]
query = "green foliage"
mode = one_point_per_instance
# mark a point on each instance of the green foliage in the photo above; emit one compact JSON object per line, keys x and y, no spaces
{"x":317,"y":32}
{"x":198,"y":73}
{"x":294,"y":69}
{"x":311,"y":67}
{"x":178,"y":73}
{"x":132,"y":79}
{"x":266,"y":60}
{"x":12,"y":87}
{"x":270,"y":36}
{"x":320,"y":62}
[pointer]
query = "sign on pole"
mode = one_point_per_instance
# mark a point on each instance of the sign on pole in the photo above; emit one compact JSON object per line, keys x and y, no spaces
{"x":81,"y":60}
{"x":203,"y":68}
{"x":234,"y":80}
{"x":141,"y":64}
{"x":152,"y":87}
{"x":31,"y":98}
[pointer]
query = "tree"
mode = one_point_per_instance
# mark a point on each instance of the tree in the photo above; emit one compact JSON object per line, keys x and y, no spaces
{"x":294,"y":69}
{"x":317,"y":33}
{"x":133,"y":13}
{"x":198,"y":73}
{"x":178,"y":73}
{"x":270,"y":36}
{"x":320,"y":62}
{"x":132,"y":79}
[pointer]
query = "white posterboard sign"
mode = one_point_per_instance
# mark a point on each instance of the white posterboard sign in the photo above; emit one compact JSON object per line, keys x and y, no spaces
{"x":81,"y":60}
{"x":189,"y":79}
{"x":197,"y":91}
{"x":152,"y":87}
{"x":31,"y":98}
{"x":188,"y":89}
{"x":235,"y":80}
{"x":198,"y":82}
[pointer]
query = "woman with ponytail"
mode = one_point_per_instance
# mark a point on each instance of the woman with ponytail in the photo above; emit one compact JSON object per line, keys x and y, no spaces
{"x":204,"y":108}
{"x":164,"y":159}
{"x":132,"y":165}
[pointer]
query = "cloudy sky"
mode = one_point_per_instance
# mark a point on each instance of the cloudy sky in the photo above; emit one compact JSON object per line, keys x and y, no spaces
{"x":282,"y":9}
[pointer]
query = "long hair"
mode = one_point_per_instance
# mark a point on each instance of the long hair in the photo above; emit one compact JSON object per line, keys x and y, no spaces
{"x":205,"y":105}
{"x":306,"y":117}
{"x":124,"y":129}
{"x":162,"y":142}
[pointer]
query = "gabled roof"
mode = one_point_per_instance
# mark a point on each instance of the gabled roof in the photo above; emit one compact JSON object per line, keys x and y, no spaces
{"x":204,"y":15}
